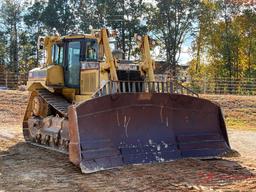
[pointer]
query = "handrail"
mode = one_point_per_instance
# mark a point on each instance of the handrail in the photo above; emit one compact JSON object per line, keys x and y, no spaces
{"x":172,"y":87}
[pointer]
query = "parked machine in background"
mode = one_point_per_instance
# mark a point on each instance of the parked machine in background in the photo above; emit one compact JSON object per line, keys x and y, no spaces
{"x":106,"y":112}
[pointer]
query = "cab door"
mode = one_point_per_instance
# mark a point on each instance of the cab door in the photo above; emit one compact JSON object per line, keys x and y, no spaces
{"x":72,"y":64}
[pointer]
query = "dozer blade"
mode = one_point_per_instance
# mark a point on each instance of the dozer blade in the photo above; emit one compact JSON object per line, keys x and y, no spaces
{"x":134,"y":128}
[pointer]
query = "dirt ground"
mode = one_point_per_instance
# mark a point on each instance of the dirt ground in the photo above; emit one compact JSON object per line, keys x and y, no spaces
{"x":239,"y":111}
{"x":28,"y":168}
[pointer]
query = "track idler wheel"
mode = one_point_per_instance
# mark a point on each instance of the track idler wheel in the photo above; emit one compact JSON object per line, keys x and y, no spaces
{"x":39,"y":107}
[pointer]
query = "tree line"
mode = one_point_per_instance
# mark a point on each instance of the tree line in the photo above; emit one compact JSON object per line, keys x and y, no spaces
{"x":222,"y":32}
{"x":225,"y":42}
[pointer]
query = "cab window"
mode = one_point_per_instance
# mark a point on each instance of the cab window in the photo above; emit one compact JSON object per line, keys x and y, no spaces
{"x":57,"y":54}
{"x":91,"y":48}
{"x":60,"y":59}
{"x":56,"y":58}
{"x":54,"y":53}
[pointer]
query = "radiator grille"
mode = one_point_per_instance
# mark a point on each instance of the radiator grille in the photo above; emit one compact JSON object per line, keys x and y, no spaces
{"x":88,"y":82}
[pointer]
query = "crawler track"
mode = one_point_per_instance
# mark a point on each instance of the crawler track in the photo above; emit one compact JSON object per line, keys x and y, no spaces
{"x":51,"y":137}
{"x":58,"y":102}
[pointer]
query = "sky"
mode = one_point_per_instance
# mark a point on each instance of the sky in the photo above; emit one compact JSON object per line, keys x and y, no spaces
{"x":186,"y":53}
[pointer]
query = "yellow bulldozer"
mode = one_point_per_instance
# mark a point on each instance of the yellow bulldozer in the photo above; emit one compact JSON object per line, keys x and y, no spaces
{"x":105,"y":112}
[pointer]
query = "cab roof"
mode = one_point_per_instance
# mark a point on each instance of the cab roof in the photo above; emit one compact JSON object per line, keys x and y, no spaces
{"x":79,"y":36}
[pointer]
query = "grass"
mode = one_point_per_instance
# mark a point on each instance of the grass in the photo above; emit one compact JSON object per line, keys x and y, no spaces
{"x":235,"y":123}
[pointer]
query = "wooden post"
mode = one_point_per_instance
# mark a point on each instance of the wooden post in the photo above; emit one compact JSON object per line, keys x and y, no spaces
{"x":6,"y":81}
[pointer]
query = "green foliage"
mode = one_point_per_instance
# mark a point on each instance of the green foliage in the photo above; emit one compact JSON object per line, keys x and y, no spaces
{"x":173,"y":21}
{"x":224,"y":34}
{"x":124,"y":16}
{"x":59,"y":14}
{"x":225,"y":42}
{"x":10,"y":15}
{"x":3,"y":51}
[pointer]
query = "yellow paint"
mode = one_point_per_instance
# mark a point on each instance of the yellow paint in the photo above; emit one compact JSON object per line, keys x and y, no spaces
{"x":49,"y":41}
{"x":103,"y":77}
{"x":89,"y":81}
{"x":55,"y":75}
{"x":82,"y":36}
{"x":110,"y":60}
{"x":81,"y":98}
{"x":147,"y":66}
{"x":69,"y":93}
{"x":54,"y":78}
{"x":33,"y":85}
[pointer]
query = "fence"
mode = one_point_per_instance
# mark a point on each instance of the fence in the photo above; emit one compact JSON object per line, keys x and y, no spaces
{"x":10,"y":80}
{"x":224,"y":86}
{"x":246,"y":86}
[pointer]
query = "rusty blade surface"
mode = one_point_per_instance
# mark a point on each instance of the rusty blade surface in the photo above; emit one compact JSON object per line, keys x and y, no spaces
{"x":134,"y":128}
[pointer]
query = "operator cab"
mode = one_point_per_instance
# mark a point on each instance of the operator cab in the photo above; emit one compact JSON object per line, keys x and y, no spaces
{"x":75,"y":55}
{"x":82,"y":54}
